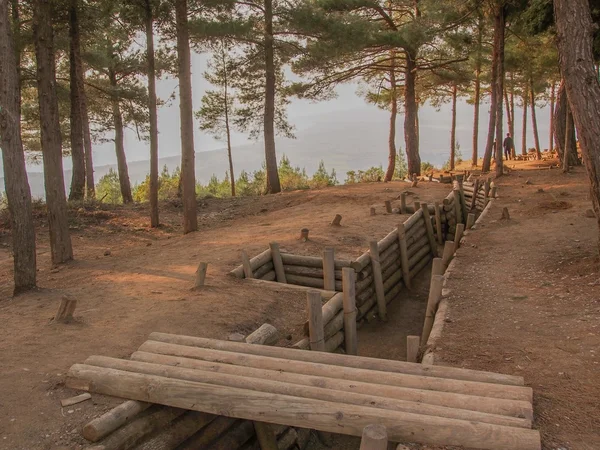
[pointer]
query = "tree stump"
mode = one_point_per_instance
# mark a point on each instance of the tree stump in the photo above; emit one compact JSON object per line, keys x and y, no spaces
{"x":337,"y":220}
{"x":65,"y":310}
{"x":200,"y":275}
{"x":388,"y":206}
{"x":304,"y":234}
{"x":505,"y":214}
{"x":372,"y":211}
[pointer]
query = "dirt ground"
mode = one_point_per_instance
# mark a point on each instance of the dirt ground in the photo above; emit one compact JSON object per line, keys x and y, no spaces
{"x":526,"y":300}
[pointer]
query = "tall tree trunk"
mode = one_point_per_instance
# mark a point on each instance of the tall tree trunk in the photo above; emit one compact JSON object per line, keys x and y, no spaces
{"x":489,"y":147}
{"x":512,"y":107}
{"x":536,"y":137}
{"x":575,"y":38}
{"x":90,"y":188}
{"x":120,"y":142}
{"x":560,"y":120}
{"x":477,"y":100}
{"x":227,"y":126}
{"x":188,"y":174}
{"x":152,"y":108}
{"x":273,"y":184}
{"x":524,"y":126}
{"x":410,"y":115}
{"x":56,"y":201}
{"x":453,"y":129}
{"x":499,"y":31}
{"x":568,"y":126}
{"x":13,"y":159}
{"x":509,"y":118}
{"x":76,"y":122}
{"x":551,"y":128}
{"x":389,"y":174}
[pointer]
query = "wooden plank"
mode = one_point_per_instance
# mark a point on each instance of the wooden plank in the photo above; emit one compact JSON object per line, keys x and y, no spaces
{"x":74,"y":400}
{"x":442,"y":404}
{"x":316,"y":331}
{"x":438,"y":224}
{"x":300,"y":412}
{"x":361,"y":362}
{"x":277,"y":262}
{"x":404,"y":255}
{"x":329,"y":269}
{"x":349,"y":296}
{"x":378,"y":279}
{"x":346,"y":373}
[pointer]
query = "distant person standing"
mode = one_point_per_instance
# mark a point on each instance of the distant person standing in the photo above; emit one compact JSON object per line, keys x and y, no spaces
{"x":508,"y":145}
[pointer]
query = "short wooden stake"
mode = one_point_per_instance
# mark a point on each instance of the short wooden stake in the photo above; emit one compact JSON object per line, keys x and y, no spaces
{"x":448,"y":252}
{"x":277,"y":262}
{"x":372,"y":211}
{"x":329,"y":269}
{"x":388,"y":206}
{"x":374,"y":437}
{"x":463,"y":203}
{"x":265,"y":436}
{"x":412,"y":348}
{"x":470,"y":220}
{"x":493,"y":192}
{"x":316,"y":330}
{"x":404,"y":255}
{"x":429,"y":228}
{"x":350,"y":312}
{"x":475,"y":190}
{"x":417,"y":206}
{"x":337,"y":220}
{"x":200,"y":275}
{"x":246,"y":264}
{"x":304,"y":234}
{"x":486,"y":189}
{"x":378,"y":280}
{"x":437,"y":266}
{"x":438,"y":224}
{"x":403,"y":203}
{"x":460,"y":229}
{"x":505,"y":214}
{"x":66,"y":308}
{"x":435,"y":294}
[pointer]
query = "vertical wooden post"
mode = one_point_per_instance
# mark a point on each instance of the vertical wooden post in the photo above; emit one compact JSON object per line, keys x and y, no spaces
{"x":417,"y":206}
{"x":378,"y":280}
{"x":265,"y":436}
{"x":349,"y":288}
{"x":470,"y":220}
{"x":374,"y":437}
{"x":437,"y":266}
{"x":388,"y":206}
{"x":493,"y":192}
{"x":460,"y":229}
{"x":457,"y":208}
{"x":329,"y":269}
{"x":246,"y":263}
{"x":474,"y":198}
{"x":435,"y":294}
{"x":429,"y":228}
{"x":438,"y":223}
{"x":404,"y":255}
{"x":448,"y":252}
{"x":463,"y":202}
{"x":403,"y":203}
{"x":412,"y":348}
{"x":372,"y":211}
{"x":66,"y":308}
{"x":316,"y":331}
{"x":486,"y":189}
{"x":200,"y":275}
{"x":277,"y":262}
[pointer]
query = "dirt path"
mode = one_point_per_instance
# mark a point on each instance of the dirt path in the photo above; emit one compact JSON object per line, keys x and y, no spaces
{"x":526,"y":301}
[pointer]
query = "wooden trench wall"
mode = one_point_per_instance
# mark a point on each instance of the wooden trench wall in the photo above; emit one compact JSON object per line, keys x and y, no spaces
{"x":373,"y":280}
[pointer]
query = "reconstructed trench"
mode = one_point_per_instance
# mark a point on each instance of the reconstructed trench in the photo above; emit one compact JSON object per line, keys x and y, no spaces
{"x":344,"y":294}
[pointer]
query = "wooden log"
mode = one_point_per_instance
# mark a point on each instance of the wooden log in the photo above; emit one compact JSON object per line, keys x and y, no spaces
{"x":414,"y":259}
{"x":403,"y":203}
{"x":412,"y":348}
{"x":312,"y":261}
{"x":269,"y":276}
{"x":393,"y":269}
{"x":329,"y":269}
{"x":303,"y":437}
{"x":266,"y":334}
{"x":302,"y":412}
{"x":390,"y":239}
{"x":277,"y":262}
{"x":460,"y":228}
{"x":74,"y":400}
{"x":448,"y":254}
{"x":239,"y":434}
{"x":205,"y":437}
{"x":404,"y":255}
{"x":349,"y":305}
{"x":413,"y":220}
{"x":265,"y":436}
{"x":417,"y":247}
{"x":486,"y":188}
{"x":309,"y":271}
{"x":493,"y":192}
{"x":372,"y":211}
{"x":311,"y":282}
{"x":463,"y":203}
{"x":362,"y":262}
{"x":470,"y":221}
{"x":429,"y":229}
{"x":66,"y":308}
{"x":475,"y":193}
{"x":337,"y":221}
{"x":334,"y":325}
{"x":378,"y":279}
{"x":315,"y":321}
{"x":113,"y":419}
{"x":435,"y":294}
{"x":304,"y":234}
{"x":133,"y":432}
{"x":180,"y":430}
{"x":264,"y":269}
{"x":374,"y":437}
{"x":329,"y":310}
{"x":417,"y":206}
{"x":246,"y":264}
{"x":255,"y":263}
{"x":388,"y":206}
{"x":331,"y":345}
{"x":389,"y":253}
{"x":438,"y":223}
{"x":457,"y":204}
{"x":200,"y":275}
{"x":416,"y":233}
{"x":437,"y":267}
{"x":481,"y":409}
{"x":287,"y":440}
{"x":420,"y":265}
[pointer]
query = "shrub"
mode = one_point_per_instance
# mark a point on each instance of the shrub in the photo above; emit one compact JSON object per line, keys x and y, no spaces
{"x":168,"y":186}
{"x":401,"y":169}
{"x":108,"y":189}
{"x":321,"y":178}
{"x":365,"y":176}
{"x":291,"y":178}
{"x":426,"y":167}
